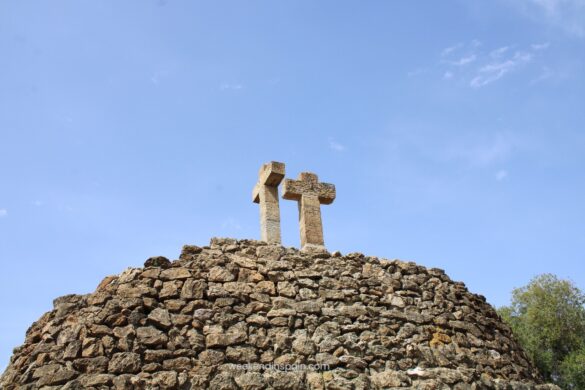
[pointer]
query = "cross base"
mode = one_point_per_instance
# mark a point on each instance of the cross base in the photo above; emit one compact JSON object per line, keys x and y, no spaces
{"x":314,"y":249}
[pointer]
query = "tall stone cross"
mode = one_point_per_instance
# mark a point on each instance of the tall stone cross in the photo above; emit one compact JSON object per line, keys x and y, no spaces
{"x":311,"y":195}
{"x":266,"y":194}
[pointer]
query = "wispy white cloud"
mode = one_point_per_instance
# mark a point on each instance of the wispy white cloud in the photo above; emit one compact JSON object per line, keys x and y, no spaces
{"x":459,"y":54}
{"x":567,"y":15}
{"x":448,"y":50}
{"x":475,"y":43}
{"x":545,"y":74}
{"x":465,"y":60}
{"x":334,"y":145}
{"x":502,"y":174}
{"x":231,"y":86}
{"x":496,"y":70}
{"x":497,"y":53}
{"x":540,"y":46}
{"x":477,"y":67}
{"x":3,"y":212}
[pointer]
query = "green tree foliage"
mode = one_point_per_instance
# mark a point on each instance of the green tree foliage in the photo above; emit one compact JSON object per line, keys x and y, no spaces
{"x":573,"y":370}
{"x":548,"y":318}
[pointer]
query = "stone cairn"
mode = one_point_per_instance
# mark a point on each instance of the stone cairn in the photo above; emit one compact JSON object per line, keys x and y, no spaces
{"x":255,"y":315}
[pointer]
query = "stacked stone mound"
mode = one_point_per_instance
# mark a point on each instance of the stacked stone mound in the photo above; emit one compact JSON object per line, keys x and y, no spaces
{"x":356,"y":322}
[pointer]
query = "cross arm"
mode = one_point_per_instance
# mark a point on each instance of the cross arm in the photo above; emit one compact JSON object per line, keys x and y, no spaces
{"x":326,"y":193}
{"x":292,"y":189}
{"x":271,"y":174}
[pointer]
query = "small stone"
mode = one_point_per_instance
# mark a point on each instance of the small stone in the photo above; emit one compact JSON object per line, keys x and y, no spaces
{"x":238,"y":288}
{"x":353,"y":311}
{"x":220,"y":274}
{"x":160,"y":318}
{"x":150,"y":273}
{"x":315,"y":381}
{"x":57,"y":378}
{"x":303,"y":345}
{"x":46,"y":370}
{"x":91,"y":365}
{"x":177,"y":364}
{"x":353,"y":362}
{"x":157,"y":355}
{"x":150,"y":336}
{"x":189,"y":251}
{"x":397,"y":301}
{"x":257,"y":319}
{"x":225,"y":339}
{"x":266,"y":287}
{"x":281,"y":313}
{"x":312,"y":306}
{"x":157,"y":261}
{"x":327,"y":359}
{"x":91,"y":347}
{"x":211,"y":357}
{"x":165,"y":379}
{"x":439,"y":339}
{"x":241,"y":354}
{"x":203,"y":314}
{"x":284,"y":380}
{"x":389,"y":378}
{"x":99,"y":330}
{"x":306,"y":294}
{"x":251,"y":381}
{"x":174,"y":305}
{"x":286,"y":289}
{"x":193,"y":289}
{"x":95,"y":380}
{"x":175,"y":273}
{"x":106,"y":282}
{"x":223,"y":381}
{"x":170,"y":289}
{"x":244,"y":262}
{"x":250,"y":276}
{"x":72,"y":350}
{"x":124,"y":362}
{"x":129,"y":275}
{"x":129,"y":291}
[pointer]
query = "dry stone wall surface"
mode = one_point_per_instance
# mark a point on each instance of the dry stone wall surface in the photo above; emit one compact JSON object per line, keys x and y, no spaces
{"x":193,"y":324}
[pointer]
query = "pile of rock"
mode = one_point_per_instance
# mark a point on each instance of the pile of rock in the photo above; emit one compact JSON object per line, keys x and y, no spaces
{"x":244,"y":314}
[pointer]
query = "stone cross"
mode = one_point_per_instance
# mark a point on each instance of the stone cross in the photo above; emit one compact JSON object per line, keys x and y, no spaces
{"x":310,"y":194}
{"x":266,"y":194}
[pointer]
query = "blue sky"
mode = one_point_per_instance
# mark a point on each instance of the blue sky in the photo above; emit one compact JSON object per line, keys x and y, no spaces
{"x":454,"y":132}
